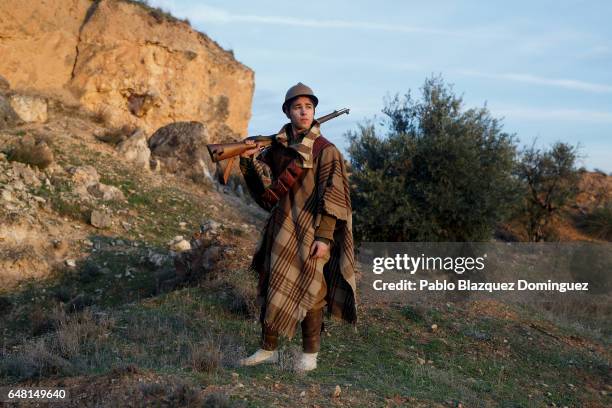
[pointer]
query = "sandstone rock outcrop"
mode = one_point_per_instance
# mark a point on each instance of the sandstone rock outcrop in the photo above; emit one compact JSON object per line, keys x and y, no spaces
{"x":29,"y":108}
{"x":121,"y":58}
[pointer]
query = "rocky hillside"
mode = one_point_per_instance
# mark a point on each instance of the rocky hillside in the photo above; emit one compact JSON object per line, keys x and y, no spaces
{"x":60,"y":183}
{"x":103,"y":182}
{"x":129,"y":63}
{"x":91,"y":300}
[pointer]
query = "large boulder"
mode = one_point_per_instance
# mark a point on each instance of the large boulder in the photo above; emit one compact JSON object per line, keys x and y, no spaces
{"x":29,"y":108}
{"x":135,"y":149}
{"x":181,"y":148}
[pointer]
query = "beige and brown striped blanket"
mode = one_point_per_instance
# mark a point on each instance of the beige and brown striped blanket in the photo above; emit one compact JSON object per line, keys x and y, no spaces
{"x":289,"y":279}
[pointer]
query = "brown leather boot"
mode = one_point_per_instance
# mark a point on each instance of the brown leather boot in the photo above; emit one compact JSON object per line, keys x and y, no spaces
{"x":269,"y":338}
{"x":311,"y":331}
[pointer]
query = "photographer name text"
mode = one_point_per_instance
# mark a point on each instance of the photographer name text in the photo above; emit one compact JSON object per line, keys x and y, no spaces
{"x":468,"y":285}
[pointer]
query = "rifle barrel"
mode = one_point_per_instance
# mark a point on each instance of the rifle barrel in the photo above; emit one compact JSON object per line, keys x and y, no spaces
{"x":332,"y":115}
{"x":223,"y":151}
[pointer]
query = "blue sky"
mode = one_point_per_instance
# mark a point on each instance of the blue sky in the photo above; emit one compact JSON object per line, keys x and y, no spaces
{"x":543,"y":66}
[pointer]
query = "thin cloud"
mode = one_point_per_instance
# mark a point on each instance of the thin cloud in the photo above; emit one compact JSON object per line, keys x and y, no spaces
{"x":571,"y":115}
{"x":208,"y":14}
{"x":536,"y":80}
{"x":283,"y":54}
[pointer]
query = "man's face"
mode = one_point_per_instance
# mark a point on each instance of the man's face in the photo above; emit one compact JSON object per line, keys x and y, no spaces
{"x":301,"y":112}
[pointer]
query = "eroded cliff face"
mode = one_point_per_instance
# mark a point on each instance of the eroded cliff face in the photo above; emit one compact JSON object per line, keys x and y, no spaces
{"x":125,"y":62}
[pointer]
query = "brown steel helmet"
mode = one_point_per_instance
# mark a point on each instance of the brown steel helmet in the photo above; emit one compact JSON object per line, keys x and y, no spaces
{"x":296,"y":90}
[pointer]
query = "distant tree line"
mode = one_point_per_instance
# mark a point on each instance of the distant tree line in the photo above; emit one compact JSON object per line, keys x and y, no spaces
{"x":440,"y":172}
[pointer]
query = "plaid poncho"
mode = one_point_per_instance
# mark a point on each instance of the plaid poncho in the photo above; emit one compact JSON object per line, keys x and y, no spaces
{"x":289,"y":279}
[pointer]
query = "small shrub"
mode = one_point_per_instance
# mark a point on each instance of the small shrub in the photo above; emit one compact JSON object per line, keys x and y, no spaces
{"x":440,"y":173}
{"x":598,"y":223}
{"x":90,"y":272}
{"x":116,"y":135}
{"x":101,"y":116}
{"x":35,"y":152}
{"x":152,"y":389}
{"x":549,"y":180}
{"x":158,"y":14}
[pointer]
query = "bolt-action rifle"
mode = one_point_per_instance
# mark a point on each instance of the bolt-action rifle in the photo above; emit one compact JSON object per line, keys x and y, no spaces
{"x":229,"y":151}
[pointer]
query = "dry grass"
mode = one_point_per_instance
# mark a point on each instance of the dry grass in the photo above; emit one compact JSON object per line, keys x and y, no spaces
{"x":54,"y":352}
{"x":101,"y":116}
{"x":205,"y":357}
{"x":74,"y":330}
{"x":34,"y":360}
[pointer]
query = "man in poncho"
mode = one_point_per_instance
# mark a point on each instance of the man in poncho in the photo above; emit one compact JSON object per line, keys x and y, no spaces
{"x":304,"y":259}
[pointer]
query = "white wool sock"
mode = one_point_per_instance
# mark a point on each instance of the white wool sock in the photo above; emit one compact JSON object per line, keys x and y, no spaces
{"x":307,"y":362}
{"x":260,"y":356}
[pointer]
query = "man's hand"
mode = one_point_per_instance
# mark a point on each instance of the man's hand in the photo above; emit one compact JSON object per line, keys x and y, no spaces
{"x":319,"y":249}
{"x":249,"y":153}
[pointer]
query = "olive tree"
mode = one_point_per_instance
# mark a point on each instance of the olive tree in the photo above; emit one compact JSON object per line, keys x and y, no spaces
{"x":436,"y":172}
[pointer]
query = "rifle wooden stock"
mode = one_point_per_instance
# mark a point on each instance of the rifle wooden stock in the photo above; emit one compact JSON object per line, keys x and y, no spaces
{"x":225,"y":151}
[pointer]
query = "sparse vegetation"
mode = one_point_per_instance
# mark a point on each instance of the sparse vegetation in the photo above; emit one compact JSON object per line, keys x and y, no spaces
{"x":157,"y":13}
